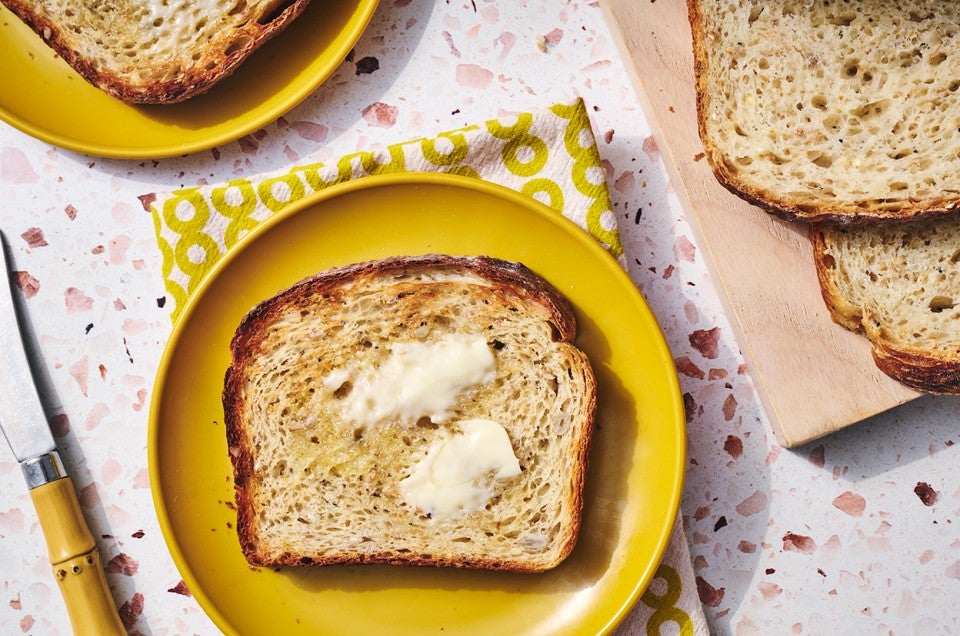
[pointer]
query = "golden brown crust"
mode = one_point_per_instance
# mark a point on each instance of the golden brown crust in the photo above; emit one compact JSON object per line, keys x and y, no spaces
{"x":508,"y":278}
{"x":213,"y":65}
{"x":835,"y":212}
{"x":918,"y":370}
{"x":841,"y":311}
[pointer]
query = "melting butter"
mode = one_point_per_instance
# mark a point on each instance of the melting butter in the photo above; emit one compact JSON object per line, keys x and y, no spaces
{"x":460,"y":470}
{"x":417,"y":379}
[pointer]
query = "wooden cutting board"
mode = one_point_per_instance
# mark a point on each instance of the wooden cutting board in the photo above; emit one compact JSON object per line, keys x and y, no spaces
{"x":813,"y":376}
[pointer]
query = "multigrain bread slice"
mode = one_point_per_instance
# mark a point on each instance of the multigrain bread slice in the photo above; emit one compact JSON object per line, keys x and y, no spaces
{"x":360,"y":425}
{"x":898,"y":284}
{"x":830,"y":110}
{"x":156,"y":51}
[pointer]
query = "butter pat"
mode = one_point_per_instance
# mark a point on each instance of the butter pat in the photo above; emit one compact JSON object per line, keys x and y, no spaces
{"x":418,"y":379}
{"x":460,"y":470}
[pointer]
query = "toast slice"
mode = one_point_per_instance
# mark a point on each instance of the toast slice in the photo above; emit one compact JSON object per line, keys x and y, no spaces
{"x":428,"y":410}
{"x":836,"y":111}
{"x":157,"y":51}
{"x":898,"y":284}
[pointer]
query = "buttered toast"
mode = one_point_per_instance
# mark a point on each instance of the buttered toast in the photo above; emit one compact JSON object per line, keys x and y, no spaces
{"x":428,"y":410}
{"x":156,"y":51}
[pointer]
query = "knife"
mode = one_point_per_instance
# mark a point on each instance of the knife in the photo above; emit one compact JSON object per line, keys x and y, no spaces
{"x":72,"y":549}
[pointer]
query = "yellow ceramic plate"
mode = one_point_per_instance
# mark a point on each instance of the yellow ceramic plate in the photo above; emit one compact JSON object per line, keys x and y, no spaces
{"x":42,"y":96}
{"x":636,"y":461}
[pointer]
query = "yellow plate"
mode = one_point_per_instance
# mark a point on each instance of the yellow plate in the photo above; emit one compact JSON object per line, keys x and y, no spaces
{"x":636,"y":461}
{"x":42,"y":96}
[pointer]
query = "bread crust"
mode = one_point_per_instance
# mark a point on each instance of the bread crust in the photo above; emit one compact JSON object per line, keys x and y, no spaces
{"x":918,"y":369}
{"x":191,"y":77}
{"x":510,"y":276}
{"x":842,"y":312}
{"x":776,"y":203}
{"x":506,"y":277}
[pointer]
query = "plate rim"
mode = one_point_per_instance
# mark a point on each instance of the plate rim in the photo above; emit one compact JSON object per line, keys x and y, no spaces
{"x":200,"y":142}
{"x":370,"y":182}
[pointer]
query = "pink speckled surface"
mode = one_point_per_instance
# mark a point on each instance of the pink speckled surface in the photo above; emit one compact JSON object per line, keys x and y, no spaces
{"x":853,"y":534}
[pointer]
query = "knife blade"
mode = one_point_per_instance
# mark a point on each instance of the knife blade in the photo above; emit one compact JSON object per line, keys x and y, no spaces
{"x":70,"y":545}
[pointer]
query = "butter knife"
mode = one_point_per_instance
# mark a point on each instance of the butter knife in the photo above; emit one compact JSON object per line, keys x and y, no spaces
{"x":72,"y":549}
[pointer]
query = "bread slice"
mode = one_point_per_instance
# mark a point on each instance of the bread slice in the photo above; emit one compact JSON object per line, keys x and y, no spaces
{"x":839,"y":111}
{"x":156,"y":51}
{"x":899,"y":284}
{"x":334,"y":462}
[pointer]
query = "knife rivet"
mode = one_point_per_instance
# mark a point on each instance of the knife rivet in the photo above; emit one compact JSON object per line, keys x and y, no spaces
{"x":61,"y":574}
{"x":76,"y":569}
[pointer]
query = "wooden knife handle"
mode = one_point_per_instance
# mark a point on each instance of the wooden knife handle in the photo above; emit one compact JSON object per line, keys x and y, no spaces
{"x":75,"y":560}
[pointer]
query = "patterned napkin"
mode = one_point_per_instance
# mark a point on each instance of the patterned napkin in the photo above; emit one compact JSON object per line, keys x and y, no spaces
{"x":549,"y":155}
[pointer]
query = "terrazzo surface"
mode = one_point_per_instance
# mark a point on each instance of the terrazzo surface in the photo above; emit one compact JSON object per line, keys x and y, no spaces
{"x":851,"y":534}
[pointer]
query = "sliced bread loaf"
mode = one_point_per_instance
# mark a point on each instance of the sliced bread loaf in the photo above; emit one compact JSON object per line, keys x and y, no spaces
{"x":899,"y":284}
{"x":157,"y":51}
{"x":427,"y":410}
{"x":831,"y":110}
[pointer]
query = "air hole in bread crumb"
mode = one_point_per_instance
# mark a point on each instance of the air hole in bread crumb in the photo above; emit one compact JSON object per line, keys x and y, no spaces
{"x":426,"y":422}
{"x":851,"y":68}
{"x":774,"y":158}
{"x":832,"y":122}
{"x":870,"y":109}
{"x":939,"y":303}
{"x":236,"y":46}
{"x":820,"y":159}
{"x":844,"y":19}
